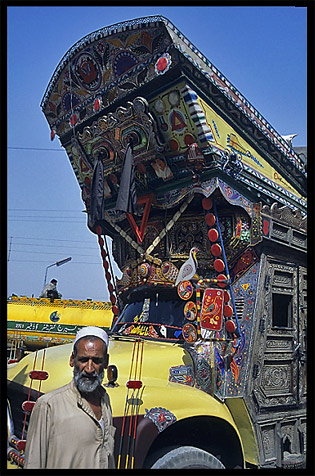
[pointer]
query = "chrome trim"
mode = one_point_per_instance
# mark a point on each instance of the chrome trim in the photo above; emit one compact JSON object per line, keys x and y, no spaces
{"x":10,"y":425}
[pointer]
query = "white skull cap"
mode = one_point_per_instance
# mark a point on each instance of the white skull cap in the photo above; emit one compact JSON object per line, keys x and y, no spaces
{"x":92,"y":331}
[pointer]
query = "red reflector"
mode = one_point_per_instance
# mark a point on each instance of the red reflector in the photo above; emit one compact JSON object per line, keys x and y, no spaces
{"x":20,"y":445}
{"x":73,"y":119}
{"x":12,"y":361}
{"x":38,"y":375}
{"x":28,"y":406}
{"x":97,"y":104}
{"x":161,"y":64}
{"x":134,"y":384}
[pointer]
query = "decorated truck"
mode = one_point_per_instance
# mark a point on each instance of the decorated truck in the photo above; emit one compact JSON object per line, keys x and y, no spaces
{"x":206,"y":206}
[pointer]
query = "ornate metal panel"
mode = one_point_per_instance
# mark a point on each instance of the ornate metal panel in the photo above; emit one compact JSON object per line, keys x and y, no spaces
{"x":268,"y":439}
{"x":277,"y":365}
{"x":278,"y":384}
{"x":283,"y":443}
{"x":302,"y":350}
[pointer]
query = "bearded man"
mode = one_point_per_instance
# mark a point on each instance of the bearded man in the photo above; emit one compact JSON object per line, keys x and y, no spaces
{"x":71,"y":427}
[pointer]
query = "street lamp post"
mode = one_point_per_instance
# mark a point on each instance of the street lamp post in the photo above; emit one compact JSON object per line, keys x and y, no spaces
{"x":58,"y":263}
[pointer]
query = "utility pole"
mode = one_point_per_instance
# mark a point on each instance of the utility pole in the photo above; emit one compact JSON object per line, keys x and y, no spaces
{"x":11,"y":237}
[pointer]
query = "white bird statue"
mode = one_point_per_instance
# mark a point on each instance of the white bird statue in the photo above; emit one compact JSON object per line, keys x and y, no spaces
{"x":289,"y":138}
{"x":189,"y":268}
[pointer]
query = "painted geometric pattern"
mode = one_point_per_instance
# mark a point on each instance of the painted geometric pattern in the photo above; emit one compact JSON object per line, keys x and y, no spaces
{"x":107,"y":69}
{"x":174,"y":120}
{"x":93,"y":62}
{"x":224,"y":137}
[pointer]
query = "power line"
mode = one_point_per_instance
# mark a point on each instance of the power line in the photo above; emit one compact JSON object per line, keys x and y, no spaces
{"x":44,"y":252}
{"x":39,"y":216}
{"x":42,"y":210}
{"x":47,"y":221}
{"x":36,"y":148}
{"x":50,"y":239}
{"x":57,"y":246}
{"x":40,"y":261}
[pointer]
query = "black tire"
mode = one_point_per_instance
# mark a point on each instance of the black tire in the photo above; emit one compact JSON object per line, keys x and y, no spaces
{"x":187,"y":457}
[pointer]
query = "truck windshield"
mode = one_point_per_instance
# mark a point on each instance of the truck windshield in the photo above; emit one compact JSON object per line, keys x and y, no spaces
{"x":155,"y":316}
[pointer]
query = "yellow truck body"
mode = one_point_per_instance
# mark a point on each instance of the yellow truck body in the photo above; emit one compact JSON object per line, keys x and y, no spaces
{"x":162,"y":405}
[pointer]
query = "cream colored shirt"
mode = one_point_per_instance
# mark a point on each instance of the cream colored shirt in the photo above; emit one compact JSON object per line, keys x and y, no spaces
{"x":64,"y":432}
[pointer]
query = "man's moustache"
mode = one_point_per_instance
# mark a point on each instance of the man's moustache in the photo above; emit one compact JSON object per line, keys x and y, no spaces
{"x":90,"y":376}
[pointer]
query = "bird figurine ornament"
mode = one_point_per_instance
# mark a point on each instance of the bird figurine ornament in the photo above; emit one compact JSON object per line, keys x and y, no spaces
{"x":189,"y":268}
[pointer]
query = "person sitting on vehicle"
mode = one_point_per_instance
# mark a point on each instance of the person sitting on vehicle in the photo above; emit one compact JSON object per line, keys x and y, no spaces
{"x":50,"y":291}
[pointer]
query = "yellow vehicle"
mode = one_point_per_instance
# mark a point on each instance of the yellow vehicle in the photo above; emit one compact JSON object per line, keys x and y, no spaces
{"x":172,"y":414}
{"x":33,"y":323}
{"x":208,"y":343}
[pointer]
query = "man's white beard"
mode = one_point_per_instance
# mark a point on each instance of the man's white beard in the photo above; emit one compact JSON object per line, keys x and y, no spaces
{"x":88,"y":384}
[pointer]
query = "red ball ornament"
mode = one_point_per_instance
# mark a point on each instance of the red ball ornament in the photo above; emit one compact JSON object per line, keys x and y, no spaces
{"x":230,"y":326}
{"x":112,"y":299}
{"x":110,"y":287}
{"x":216,"y":250}
{"x":221,"y":278}
{"x":210,"y":219}
{"x":98,"y":230}
{"x":206,"y":203}
{"x":52,"y":134}
{"x":226,"y":296}
{"x":108,"y":276}
{"x":219,"y":265}
{"x":213,"y":234}
{"x":228,"y":311}
{"x":103,"y":253}
{"x":100,"y":241}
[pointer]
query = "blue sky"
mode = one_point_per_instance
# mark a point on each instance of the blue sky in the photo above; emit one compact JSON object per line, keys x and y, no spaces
{"x":261,"y":50}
